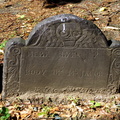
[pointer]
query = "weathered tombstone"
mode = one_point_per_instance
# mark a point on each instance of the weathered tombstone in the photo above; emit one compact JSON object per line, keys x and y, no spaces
{"x":63,"y":53}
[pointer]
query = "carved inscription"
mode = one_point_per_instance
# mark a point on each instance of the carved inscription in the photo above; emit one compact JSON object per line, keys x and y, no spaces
{"x":35,"y":72}
{"x":69,"y":73}
{"x":63,"y":54}
{"x":61,"y":65}
{"x":83,"y":74}
{"x":37,"y":54}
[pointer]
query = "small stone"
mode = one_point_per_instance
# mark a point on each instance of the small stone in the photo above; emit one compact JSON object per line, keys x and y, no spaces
{"x":35,"y":109}
{"x":102,"y":9}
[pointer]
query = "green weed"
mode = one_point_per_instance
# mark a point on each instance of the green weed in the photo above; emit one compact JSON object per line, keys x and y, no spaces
{"x":95,"y":104}
{"x":2,"y":45}
{"x":4,"y":113}
{"x":45,"y":111}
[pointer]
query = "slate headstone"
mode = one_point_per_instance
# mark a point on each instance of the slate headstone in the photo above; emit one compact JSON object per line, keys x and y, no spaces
{"x":63,"y":53}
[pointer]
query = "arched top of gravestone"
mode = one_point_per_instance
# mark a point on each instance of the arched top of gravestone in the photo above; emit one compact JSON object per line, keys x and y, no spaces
{"x":67,"y":30}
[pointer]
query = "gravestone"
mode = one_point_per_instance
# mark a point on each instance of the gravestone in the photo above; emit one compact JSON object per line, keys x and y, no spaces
{"x":62,"y":54}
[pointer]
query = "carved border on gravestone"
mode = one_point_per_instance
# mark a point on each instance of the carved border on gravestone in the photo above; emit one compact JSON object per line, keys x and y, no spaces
{"x":72,"y":89}
{"x":13,"y":64}
{"x":114,"y":77}
{"x":12,"y":67}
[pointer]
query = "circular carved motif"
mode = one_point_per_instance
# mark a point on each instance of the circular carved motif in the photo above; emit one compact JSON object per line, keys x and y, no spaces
{"x":116,"y":53}
{"x":12,"y":62}
{"x":69,"y":31}
{"x":116,"y":61}
{"x":16,"y":51}
{"x":117,"y":64}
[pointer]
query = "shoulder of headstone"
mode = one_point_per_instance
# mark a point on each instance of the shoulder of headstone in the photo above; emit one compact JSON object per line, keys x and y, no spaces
{"x":15,"y":41}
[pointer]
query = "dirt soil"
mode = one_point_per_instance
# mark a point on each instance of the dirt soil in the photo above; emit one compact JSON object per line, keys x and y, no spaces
{"x":19,"y":17}
{"x":62,"y":107}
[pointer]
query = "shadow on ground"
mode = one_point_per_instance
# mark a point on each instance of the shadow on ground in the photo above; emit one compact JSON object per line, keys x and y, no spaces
{"x":56,"y":3}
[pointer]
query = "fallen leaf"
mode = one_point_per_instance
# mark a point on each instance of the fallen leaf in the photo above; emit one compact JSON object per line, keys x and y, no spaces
{"x":102,"y":9}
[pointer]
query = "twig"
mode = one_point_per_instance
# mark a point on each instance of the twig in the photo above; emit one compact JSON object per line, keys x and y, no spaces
{"x":110,"y":27}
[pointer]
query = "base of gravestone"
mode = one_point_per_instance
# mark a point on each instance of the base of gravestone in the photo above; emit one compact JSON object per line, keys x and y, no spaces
{"x":59,"y":98}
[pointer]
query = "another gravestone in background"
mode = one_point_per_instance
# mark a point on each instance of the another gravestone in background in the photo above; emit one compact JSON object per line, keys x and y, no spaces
{"x":63,"y":53}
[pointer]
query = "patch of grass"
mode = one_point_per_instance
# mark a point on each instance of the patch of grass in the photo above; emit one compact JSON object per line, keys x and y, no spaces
{"x":2,"y":45}
{"x":95,"y":104}
{"x":4,"y":113}
{"x":75,"y":100}
{"x":45,"y":111}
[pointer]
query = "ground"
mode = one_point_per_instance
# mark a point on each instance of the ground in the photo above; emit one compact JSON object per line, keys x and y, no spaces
{"x":62,"y":107}
{"x":18,"y":17}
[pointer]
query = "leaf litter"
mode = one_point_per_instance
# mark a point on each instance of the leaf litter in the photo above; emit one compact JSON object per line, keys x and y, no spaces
{"x":71,"y":108}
